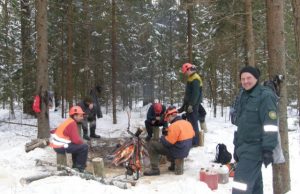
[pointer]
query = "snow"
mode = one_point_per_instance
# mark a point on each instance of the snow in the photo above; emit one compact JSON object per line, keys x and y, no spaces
{"x":15,"y":163}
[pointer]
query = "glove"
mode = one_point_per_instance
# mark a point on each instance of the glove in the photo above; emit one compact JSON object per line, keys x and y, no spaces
{"x":235,"y":157}
{"x":181,"y":109}
{"x":164,"y":131}
{"x":190,"y":109}
{"x":267,"y":157}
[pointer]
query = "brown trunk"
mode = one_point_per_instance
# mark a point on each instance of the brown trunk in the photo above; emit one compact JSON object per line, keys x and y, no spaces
{"x":296,"y":11}
{"x":42,"y":68}
{"x":276,"y":61}
{"x":27,"y":59}
{"x":69,"y":74}
{"x":113,"y":59}
{"x":249,"y":34}
{"x":189,"y":31}
{"x":86,"y":34}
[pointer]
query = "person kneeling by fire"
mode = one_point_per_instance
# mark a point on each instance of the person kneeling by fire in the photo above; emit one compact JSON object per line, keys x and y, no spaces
{"x":175,"y":143}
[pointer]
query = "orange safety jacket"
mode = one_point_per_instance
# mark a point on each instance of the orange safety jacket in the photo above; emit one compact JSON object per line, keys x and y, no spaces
{"x":179,"y":138}
{"x":58,"y":139}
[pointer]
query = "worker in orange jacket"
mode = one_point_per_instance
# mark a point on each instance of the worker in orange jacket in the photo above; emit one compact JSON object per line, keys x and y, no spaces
{"x":66,"y":139}
{"x":175,"y":144}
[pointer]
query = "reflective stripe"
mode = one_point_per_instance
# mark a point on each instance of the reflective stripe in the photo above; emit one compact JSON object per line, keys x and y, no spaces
{"x":239,"y":186}
{"x":58,"y":142}
{"x":59,"y":139}
{"x":270,"y":128}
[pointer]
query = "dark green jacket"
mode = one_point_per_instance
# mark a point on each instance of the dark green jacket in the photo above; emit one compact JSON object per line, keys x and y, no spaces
{"x":193,"y":90}
{"x":257,"y":123}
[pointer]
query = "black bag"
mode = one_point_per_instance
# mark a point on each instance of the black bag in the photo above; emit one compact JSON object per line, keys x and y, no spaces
{"x":223,"y":156}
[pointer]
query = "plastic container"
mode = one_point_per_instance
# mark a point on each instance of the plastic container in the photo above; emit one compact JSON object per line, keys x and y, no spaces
{"x":223,"y":174}
{"x":202,"y":174}
{"x":211,"y":179}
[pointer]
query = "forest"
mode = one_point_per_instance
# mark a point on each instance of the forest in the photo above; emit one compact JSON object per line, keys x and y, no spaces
{"x":134,"y":50}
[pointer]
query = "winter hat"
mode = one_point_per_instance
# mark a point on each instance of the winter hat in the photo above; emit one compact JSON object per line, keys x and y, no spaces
{"x":249,"y":69}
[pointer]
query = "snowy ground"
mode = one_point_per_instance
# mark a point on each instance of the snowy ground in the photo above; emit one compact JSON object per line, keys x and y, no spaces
{"x":15,"y":163}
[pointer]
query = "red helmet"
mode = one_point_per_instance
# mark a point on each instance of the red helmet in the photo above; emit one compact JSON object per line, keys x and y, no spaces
{"x":185,"y":67}
{"x":157,"y":108}
{"x":75,"y":110}
{"x":171,"y":110}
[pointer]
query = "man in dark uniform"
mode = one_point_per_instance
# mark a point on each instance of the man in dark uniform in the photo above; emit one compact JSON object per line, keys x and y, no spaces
{"x":256,"y":134}
{"x":155,"y":118}
{"x":87,"y":105}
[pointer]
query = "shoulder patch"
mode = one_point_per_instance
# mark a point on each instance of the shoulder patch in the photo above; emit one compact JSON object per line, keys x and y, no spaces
{"x":272,"y":115}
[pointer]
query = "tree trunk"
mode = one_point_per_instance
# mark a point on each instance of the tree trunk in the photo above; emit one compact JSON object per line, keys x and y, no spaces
{"x":42,"y":67}
{"x":276,"y":61}
{"x":189,"y":31}
{"x":113,"y":60}
{"x":296,"y":12}
{"x":249,"y":34}
{"x":87,"y":85}
{"x":27,"y":59}
{"x":70,"y":85}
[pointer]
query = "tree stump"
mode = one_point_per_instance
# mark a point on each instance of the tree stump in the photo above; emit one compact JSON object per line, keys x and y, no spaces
{"x":155,"y":133}
{"x":98,"y":165}
{"x":201,"y":138}
{"x":61,"y":160}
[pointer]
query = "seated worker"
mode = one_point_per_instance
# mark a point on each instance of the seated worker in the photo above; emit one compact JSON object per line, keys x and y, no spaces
{"x":155,"y":118}
{"x":175,"y":144}
{"x":89,"y":120}
{"x":66,"y":139}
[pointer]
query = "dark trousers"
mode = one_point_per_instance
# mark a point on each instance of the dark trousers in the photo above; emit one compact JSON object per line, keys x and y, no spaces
{"x":84,"y":125}
{"x":156,"y":149}
{"x":79,"y":154}
{"x":149,"y":126}
{"x":202,"y":113}
{"x":248,"y":177}
{"x":193,"y":119}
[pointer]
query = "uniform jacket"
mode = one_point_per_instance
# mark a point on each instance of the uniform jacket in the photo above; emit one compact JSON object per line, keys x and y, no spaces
{"x":97,"y":106}
{"x":179,"y":138}
{"x":65,"y":133}
{"x":151,"y":115}
{"x":193,"y":91}
{"x":90,"y":114}
{"x":257,"y":123}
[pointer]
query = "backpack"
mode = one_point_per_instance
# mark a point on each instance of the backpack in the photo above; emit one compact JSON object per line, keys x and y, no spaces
{"x":36,"y":106}
{"x":223,"y":156}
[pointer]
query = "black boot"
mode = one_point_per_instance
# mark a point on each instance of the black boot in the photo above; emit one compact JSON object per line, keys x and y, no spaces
{"x":85,"y":135}
{"x":93,"y":133}
{"x":152,"y":172}
{"x":172,"y":166}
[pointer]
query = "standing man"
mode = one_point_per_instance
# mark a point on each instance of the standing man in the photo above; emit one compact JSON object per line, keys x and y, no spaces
{"x":192,"y":98}
{"x":66,"y":139}
{"x":95,"y":94}
{"x":175,"y":143}
{"x":155,"y":118}
{"x":256,"y":134}
{"x":89,"y":120}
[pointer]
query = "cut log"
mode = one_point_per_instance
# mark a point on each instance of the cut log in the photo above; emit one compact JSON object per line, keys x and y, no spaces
{"x":108,"y":181}
{"x":61,"y":160}
{"x":27,"y":180}
{"x":98,"y":165}
{"x":36,"y":143}
{"x":201,"y":138}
